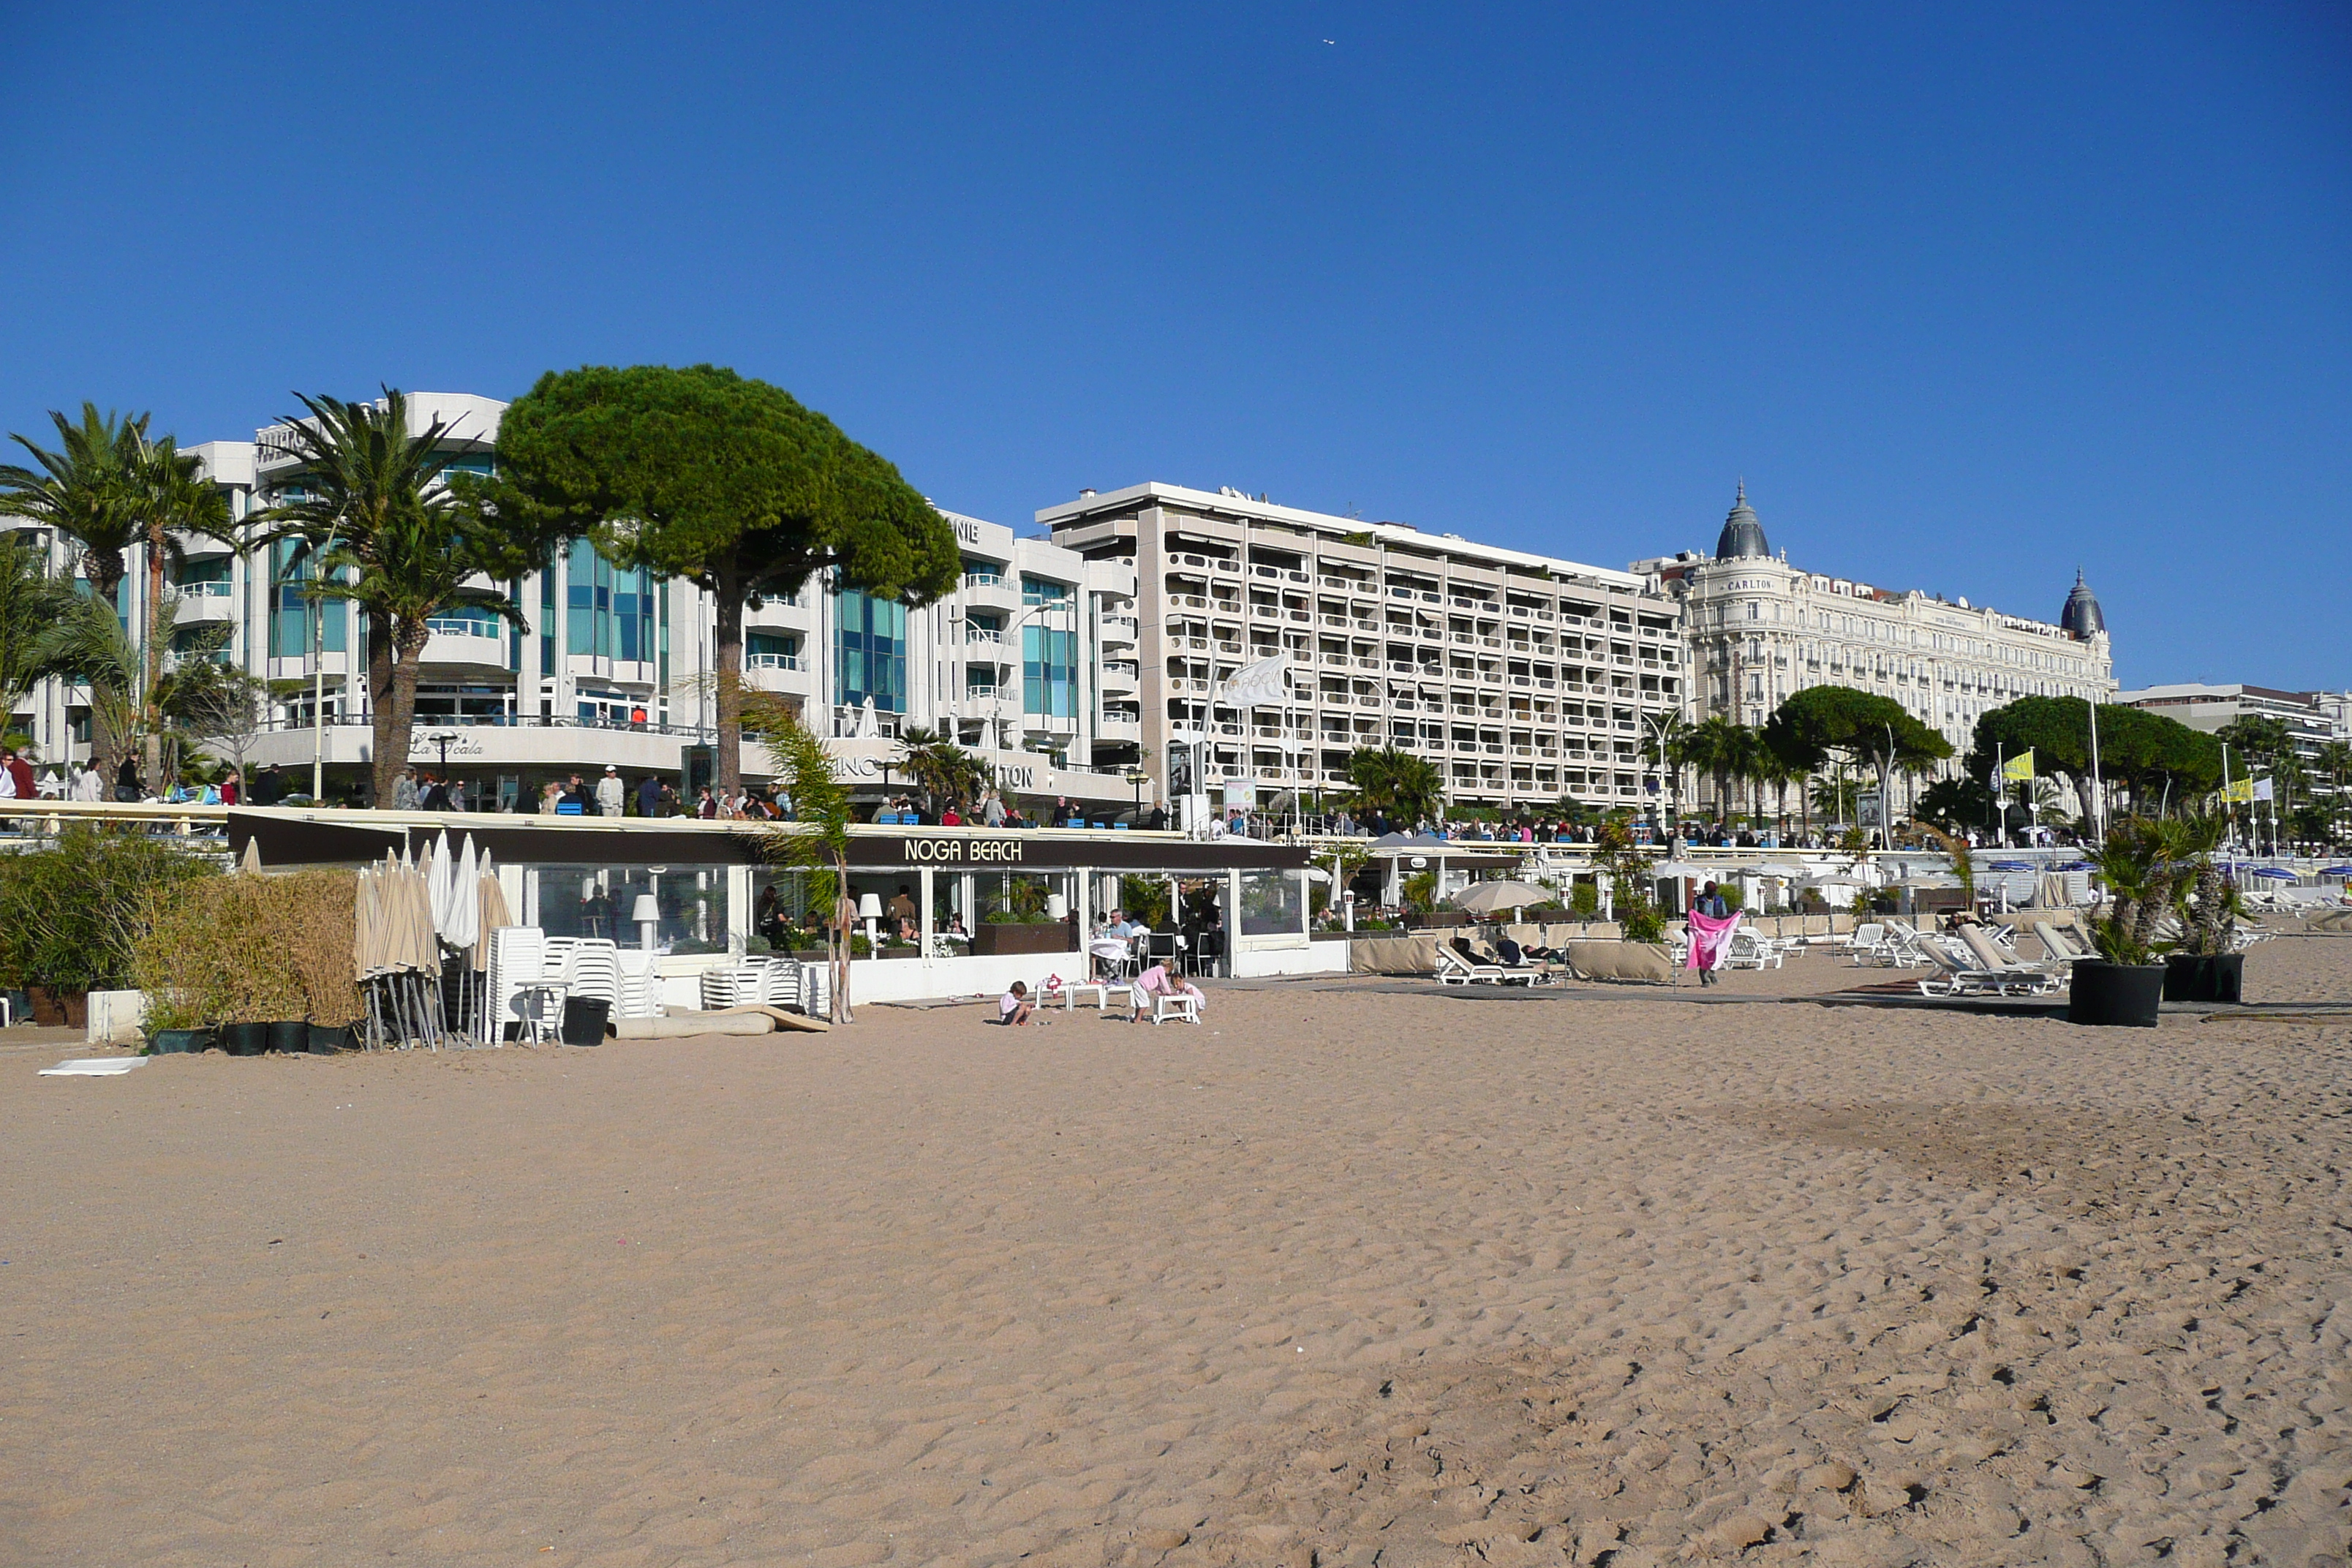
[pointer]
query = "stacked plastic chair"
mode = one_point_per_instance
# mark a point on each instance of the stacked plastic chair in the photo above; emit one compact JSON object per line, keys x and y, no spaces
{"x":816,"y":990}
{"x":518,"y":960}
{"x":783,"y":986}
{"x":593,"y":968}
{"x":640,"y":987}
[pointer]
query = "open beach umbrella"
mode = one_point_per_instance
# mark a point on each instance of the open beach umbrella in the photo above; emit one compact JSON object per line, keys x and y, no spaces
{"x":2008,"y":866}
{"x":2276,"y":873}
{"x":2334,"y":871}
{"x":1485,"y":898}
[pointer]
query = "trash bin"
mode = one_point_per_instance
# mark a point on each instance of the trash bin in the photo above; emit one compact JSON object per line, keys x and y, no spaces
{"x":583,"y":1020}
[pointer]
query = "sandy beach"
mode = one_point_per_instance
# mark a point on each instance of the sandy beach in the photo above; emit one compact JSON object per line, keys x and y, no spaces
{"x":1354,"y":1273}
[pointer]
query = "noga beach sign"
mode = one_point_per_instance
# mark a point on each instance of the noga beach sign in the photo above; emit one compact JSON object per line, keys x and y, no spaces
{"x":965,"y":851}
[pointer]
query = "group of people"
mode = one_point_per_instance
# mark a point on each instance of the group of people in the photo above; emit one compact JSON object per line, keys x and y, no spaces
{"x":1159,"y":979}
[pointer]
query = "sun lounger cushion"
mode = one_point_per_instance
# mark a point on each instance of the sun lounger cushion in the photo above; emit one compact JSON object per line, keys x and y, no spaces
{"x":1648,"y":962}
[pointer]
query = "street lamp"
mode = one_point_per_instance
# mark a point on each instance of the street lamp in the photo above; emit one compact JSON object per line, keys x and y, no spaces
{"x":1662,"y":733}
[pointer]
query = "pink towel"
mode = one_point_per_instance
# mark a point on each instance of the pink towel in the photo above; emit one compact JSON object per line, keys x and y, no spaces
{"x":1708,"y":937}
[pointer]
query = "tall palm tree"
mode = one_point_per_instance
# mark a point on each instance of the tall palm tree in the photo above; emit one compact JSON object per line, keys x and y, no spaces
{"x":2334,"y":763}
{"x":168,"y":495}
{"x":393,"y":540}
{"x":1712,"y":747}
{"x":84,"y":490}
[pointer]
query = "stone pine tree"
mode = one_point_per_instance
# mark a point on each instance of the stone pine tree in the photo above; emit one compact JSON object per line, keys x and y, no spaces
{"x":727,"y":482}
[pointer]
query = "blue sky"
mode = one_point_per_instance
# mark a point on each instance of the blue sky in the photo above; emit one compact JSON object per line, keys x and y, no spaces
{"x":1969,"y":297}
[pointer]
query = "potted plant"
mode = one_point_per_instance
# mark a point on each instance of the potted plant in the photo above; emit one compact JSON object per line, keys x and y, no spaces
{"x":2203,"y":967}
{"x":2124,"y":986}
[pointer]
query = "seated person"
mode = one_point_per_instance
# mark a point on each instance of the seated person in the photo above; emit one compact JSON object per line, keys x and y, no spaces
{"x":1160,"y":980}
{"x":1014,"y":1007}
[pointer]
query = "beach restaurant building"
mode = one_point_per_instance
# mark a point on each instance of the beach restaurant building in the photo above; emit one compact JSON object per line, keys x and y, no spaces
{"x":985,"y":907}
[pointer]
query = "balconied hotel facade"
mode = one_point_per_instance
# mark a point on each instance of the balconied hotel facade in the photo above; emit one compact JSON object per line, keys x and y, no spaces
{"x":1032,"y":660}
{"x":1523,"y":677}
{"x":1761,"y":629}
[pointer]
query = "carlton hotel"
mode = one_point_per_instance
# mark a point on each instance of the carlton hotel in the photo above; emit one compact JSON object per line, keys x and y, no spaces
{"x":1759,"y":630}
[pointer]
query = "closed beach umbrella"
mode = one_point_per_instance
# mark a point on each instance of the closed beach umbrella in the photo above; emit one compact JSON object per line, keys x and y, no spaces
{"x":441,"y":882}
{"x":494,"y":916}
{"x":464,"y":922}
{"x":1485,"y":898}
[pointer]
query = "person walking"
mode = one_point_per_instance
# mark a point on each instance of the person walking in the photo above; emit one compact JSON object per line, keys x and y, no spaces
{"x":1711,"y":933}
{"x":405,"y":797}
{"x":609,"y":793}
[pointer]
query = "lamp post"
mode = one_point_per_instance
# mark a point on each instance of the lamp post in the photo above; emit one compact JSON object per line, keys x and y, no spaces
{"x":1662,"y":733}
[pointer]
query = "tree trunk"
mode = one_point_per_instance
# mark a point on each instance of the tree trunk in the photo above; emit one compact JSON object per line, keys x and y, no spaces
{"x":107,"y":747}
{"x":391,"y":743}
{"x":841,"y":918}
{"x":727,"y":677}
{"x":152,"y":661}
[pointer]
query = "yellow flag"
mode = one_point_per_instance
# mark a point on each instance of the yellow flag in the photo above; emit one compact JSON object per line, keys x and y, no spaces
{"x":2019,"y":767}
{"x":2239,"y":792}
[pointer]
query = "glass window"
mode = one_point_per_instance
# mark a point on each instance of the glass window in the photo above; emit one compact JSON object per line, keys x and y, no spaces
{"x":602,"y":901}
{"x":1041,"y":591}
{"x":1271,"y":905}
{"x":289,"y":620}
{"x":609,"y":609}
{"x":870,"y":652}
{"x":1049,"y":672}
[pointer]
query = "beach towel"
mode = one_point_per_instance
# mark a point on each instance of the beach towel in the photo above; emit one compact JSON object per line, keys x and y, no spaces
{"x":1709,"y":937}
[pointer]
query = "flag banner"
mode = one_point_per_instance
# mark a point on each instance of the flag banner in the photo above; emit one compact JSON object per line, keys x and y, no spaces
{"x":2019,"y":767}
{"x":2262,"y":789}
{"x":2239,"y":792}
{"x":1266,"y":684}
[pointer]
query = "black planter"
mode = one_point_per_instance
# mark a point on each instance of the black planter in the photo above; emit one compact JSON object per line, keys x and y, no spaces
{"x":325,"y":1039}
{"x":2204,"y":976}
{"x":173,"y":1042}
{"x":245,"y":1039}
{"x":2123,"y":996}
{"x":583,"y":1020}
{"x":290,"y":1037}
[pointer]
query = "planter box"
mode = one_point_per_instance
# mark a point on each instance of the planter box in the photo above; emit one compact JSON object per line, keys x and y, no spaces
{"x":66,"y":1009}
{"x":2204,"y":976}
{"x":2116,"y":996}
{"x":993,"y":940}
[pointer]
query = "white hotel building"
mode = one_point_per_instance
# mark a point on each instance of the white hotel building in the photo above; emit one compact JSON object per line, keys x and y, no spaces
{"x":1032,"y":660}
{"x":1524,"y":677}
{"x":1760,"y":630}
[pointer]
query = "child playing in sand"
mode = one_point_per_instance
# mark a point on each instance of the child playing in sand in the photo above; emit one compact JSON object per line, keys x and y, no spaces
{"x":1014,"y":1007}
{"x":1161,"y":980}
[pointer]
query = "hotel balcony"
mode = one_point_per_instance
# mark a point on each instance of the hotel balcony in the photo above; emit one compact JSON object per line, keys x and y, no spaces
{"x":206,"y":603}
{"x":773,"y":672}
{"x":460,"y":645}
{"x":980,"y":591}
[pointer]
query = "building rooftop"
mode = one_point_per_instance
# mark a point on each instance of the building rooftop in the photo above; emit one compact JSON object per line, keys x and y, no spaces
{"x":1234,"y":504}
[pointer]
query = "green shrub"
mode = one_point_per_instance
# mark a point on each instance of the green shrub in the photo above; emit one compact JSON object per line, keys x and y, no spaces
{"x":70,"y":913}
{"x":1584,"y":901}
{"x":1733,"y":899}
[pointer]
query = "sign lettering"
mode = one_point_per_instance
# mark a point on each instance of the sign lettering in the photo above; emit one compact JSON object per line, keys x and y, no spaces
{"x":963,"y":851}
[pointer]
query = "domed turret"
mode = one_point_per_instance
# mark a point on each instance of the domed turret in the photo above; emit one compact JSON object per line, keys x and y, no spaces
{"x":1743,"y":536}
{"x":2081,"y":616}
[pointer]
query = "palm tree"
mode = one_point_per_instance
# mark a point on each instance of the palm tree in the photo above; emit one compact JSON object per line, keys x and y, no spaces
{"x":31,"y":602}
{"x":818,"y":837}
{"x":1713,"y":748}
{"x":1403,"y":786}
{"x":84,"y":490}
{"x":945,"y":773}
{"x":87,"y":644}
{"x":2334,"y":761}
{"x":168,"y":495}
{"x":393,"y":540}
